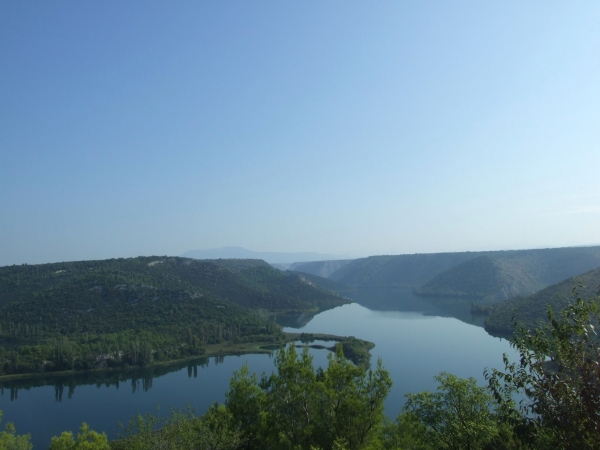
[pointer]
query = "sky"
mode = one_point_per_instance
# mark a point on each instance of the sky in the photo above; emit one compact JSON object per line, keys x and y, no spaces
{"x":341,"y":127}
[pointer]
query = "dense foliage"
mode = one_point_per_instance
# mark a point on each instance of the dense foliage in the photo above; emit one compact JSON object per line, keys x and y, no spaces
{"x":10,"y":440}
{"x":558,"y":373}
{"x":118,"y":312}
{"x":300,"y":408}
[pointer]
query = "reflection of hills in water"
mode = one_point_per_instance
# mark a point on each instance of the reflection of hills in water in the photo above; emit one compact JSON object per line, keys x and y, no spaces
{"x":138,"y":379}
{"x":399,"y":299}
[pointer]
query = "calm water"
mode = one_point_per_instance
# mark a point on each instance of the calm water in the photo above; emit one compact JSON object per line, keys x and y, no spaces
{"x":415,"y":338}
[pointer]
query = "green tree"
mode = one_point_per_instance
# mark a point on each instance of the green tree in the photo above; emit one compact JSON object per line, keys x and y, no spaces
{"x":404,"y":433}
{"x":87,"y":439}
{"x":296,"y":408}
{"x":289,"y":400}
{"x":9,"y":440}
{"x":558,"y":377}
{"x":350,"y":401}
{"x":245,"y":400}
{"x":457,"y":416}
{"x":216,"y":430}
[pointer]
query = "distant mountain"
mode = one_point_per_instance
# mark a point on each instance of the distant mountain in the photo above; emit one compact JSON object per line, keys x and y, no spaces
{"x":502,"y":274}
{"x":270,"y":257}
{"x":534,"y":308}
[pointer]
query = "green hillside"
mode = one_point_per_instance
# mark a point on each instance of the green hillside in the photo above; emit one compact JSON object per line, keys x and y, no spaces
{"x":399,"y":270}
{"x":68,"y":315}
{"x":479,"y":277}
{"x":517,"y":272}
{"x":502,"y":275}
{"x":484,"y":277}
{"x":534,"y":308}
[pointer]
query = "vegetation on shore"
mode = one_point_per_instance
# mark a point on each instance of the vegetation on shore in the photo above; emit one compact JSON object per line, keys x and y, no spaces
{"x":139,"y":311}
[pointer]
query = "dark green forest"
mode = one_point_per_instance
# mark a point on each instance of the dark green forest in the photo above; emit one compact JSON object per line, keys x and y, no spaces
{"x":137,"y":311}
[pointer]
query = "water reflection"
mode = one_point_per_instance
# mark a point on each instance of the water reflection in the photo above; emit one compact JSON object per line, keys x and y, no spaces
{"x":403,"y":300}
{"x":140,"y":379}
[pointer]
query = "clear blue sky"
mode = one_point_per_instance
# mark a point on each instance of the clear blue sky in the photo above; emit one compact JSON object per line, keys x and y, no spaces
{"x":341,"y":127}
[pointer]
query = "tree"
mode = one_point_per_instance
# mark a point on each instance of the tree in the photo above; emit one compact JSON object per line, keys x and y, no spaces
{"x":457,"y":416}
{"x":558,"y":377}
{"x":244,"y":401}
{"x":289,"y":400}
{"x":350,"y":401}
{"x":9,"y":440}
{"x":182,"y":431}
{"x":87,"y":439}
{"x":404,"y":433}
{"x":298,"y":408}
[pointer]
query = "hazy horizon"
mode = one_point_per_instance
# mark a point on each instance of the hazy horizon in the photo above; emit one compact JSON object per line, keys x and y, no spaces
{"x":340,"y":128}
{"x":322,"y":257}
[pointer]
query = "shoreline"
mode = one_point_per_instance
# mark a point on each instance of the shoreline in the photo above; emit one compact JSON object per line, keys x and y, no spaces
{"x":222,"y":349}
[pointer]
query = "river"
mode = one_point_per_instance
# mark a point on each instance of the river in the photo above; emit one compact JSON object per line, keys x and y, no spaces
{"x":416,"y":339}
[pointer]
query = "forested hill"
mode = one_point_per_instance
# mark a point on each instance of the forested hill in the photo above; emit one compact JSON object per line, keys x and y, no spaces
{"x":534,"y":308}
{"x":249,"y":283}
{"x":514,"y":271}
{"x":67,"y":315}
{"x":479,"y":277}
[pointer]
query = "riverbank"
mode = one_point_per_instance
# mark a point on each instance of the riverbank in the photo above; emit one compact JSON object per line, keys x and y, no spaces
{"x":224,"y":349}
